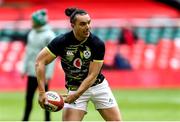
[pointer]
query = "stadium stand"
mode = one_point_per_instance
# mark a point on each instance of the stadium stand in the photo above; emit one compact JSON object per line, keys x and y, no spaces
{"x":157,"y":51}
{"x":154,"y":41}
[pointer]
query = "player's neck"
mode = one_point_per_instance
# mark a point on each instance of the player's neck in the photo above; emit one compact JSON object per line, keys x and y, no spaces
{"x":79,"y":38}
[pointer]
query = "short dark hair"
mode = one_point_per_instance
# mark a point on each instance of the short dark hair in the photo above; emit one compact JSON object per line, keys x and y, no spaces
{"x":72,"y":12}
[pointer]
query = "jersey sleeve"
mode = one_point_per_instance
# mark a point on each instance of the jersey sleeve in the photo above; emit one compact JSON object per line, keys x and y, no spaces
{"x":55,"y":47}
{"x":99,"y":51}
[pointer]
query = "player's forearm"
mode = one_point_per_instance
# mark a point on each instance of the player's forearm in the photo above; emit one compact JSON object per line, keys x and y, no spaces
{"x":42,"y":59}
{"x":88,"y":82}
{"x":40,"y":74}
{"x":94,"y":70}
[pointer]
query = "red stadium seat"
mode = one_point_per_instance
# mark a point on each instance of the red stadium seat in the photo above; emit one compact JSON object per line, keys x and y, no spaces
{"x":17,"y":46}
{"x":149,"y":56}
{"x":111,"y":49}
{"x":11,"y":56}
{"x":4,"y":46}
{"x":136,"y":56}
{"x":1,"y":57}
{"x":7,"y":66}
{"x":3,"y":51}
{"x":125,"y":51}
{"x":18,"y":66}
{"x":174,"y":61}
{"x":164,"y":50}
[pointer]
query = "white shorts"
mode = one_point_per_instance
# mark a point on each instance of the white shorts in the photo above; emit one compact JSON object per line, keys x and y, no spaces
{"x":101,"y":96}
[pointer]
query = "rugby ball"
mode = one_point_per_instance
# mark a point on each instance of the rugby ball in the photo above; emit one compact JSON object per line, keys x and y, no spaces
{"x":55,"y":101}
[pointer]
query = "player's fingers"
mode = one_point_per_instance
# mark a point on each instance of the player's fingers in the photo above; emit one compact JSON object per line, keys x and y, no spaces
{"x":41,"y":104}
{"x":64,"y":95}
{"x":46,"y":102}
{"x":65,"y":101}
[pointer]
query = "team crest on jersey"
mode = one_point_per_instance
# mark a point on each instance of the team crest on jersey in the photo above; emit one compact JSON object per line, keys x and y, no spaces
{"x":77,"y":63}
{"x":87,"y":54}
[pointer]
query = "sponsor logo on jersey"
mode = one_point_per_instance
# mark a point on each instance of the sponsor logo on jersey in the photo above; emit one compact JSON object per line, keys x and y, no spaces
{"x":87,"y":54}
{"x":69,"y":53}
{"x":77,"y":63}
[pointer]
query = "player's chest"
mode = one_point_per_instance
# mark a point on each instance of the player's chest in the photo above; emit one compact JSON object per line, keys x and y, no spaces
{"x":83,"y":52}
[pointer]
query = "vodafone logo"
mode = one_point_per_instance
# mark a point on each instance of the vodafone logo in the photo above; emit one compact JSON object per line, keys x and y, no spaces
{"x":77,"y":63}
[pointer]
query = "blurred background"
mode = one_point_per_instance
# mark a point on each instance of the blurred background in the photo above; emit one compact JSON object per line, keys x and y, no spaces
{"x":142,"y":59}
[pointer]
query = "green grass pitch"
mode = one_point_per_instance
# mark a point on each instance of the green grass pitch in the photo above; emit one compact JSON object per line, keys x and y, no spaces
{"x":136,"y":105}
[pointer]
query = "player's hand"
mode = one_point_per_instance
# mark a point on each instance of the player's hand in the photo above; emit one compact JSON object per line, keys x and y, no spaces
{"x":42,"y":99}
{"x":71,"y":98}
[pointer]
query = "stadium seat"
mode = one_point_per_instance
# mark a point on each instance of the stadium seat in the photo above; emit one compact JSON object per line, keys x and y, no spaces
{"x":11,"y":56}
{"x":149,"y":56}
{"x":177,"y":34}
{"x":102,"y":33}
{"x":10,"y":53}
{"x":164,"y":49}
{"x":141,"y":32}
{"x":17,"y":46}
{"x":3,"y":50}
{"x":125,"y":51}
{"x":5,"y":39}
{"x":136,"y":54}
{"x":4,"y":46}
{"x":61,"y":31}
{"x":153,"y":35}
{"x":8,"y":32}
{"x":110,"y":53}
{"x":19,"y":66}
{"x":1,"y":57}
{"x":114,"y":33}
{"x":7,"y":66}
{"x":168,"y":33}
{"x":174,"y":62}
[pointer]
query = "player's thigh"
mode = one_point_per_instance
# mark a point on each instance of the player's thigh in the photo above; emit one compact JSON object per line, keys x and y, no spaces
{"x":105,"y":102}
{"x":76,"y":110}
{"x":70,"y":114}
{"x":110,"y":114}
{"x":103,"y":96}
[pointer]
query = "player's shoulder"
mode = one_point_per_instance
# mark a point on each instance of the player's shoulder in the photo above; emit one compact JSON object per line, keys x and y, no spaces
{"x":61,"y":38}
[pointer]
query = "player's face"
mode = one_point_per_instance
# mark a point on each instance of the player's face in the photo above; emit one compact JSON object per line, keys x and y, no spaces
{"x":81,"y":27}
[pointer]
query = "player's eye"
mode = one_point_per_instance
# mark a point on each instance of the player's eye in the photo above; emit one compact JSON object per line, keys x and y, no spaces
{"x":82,"y":23}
